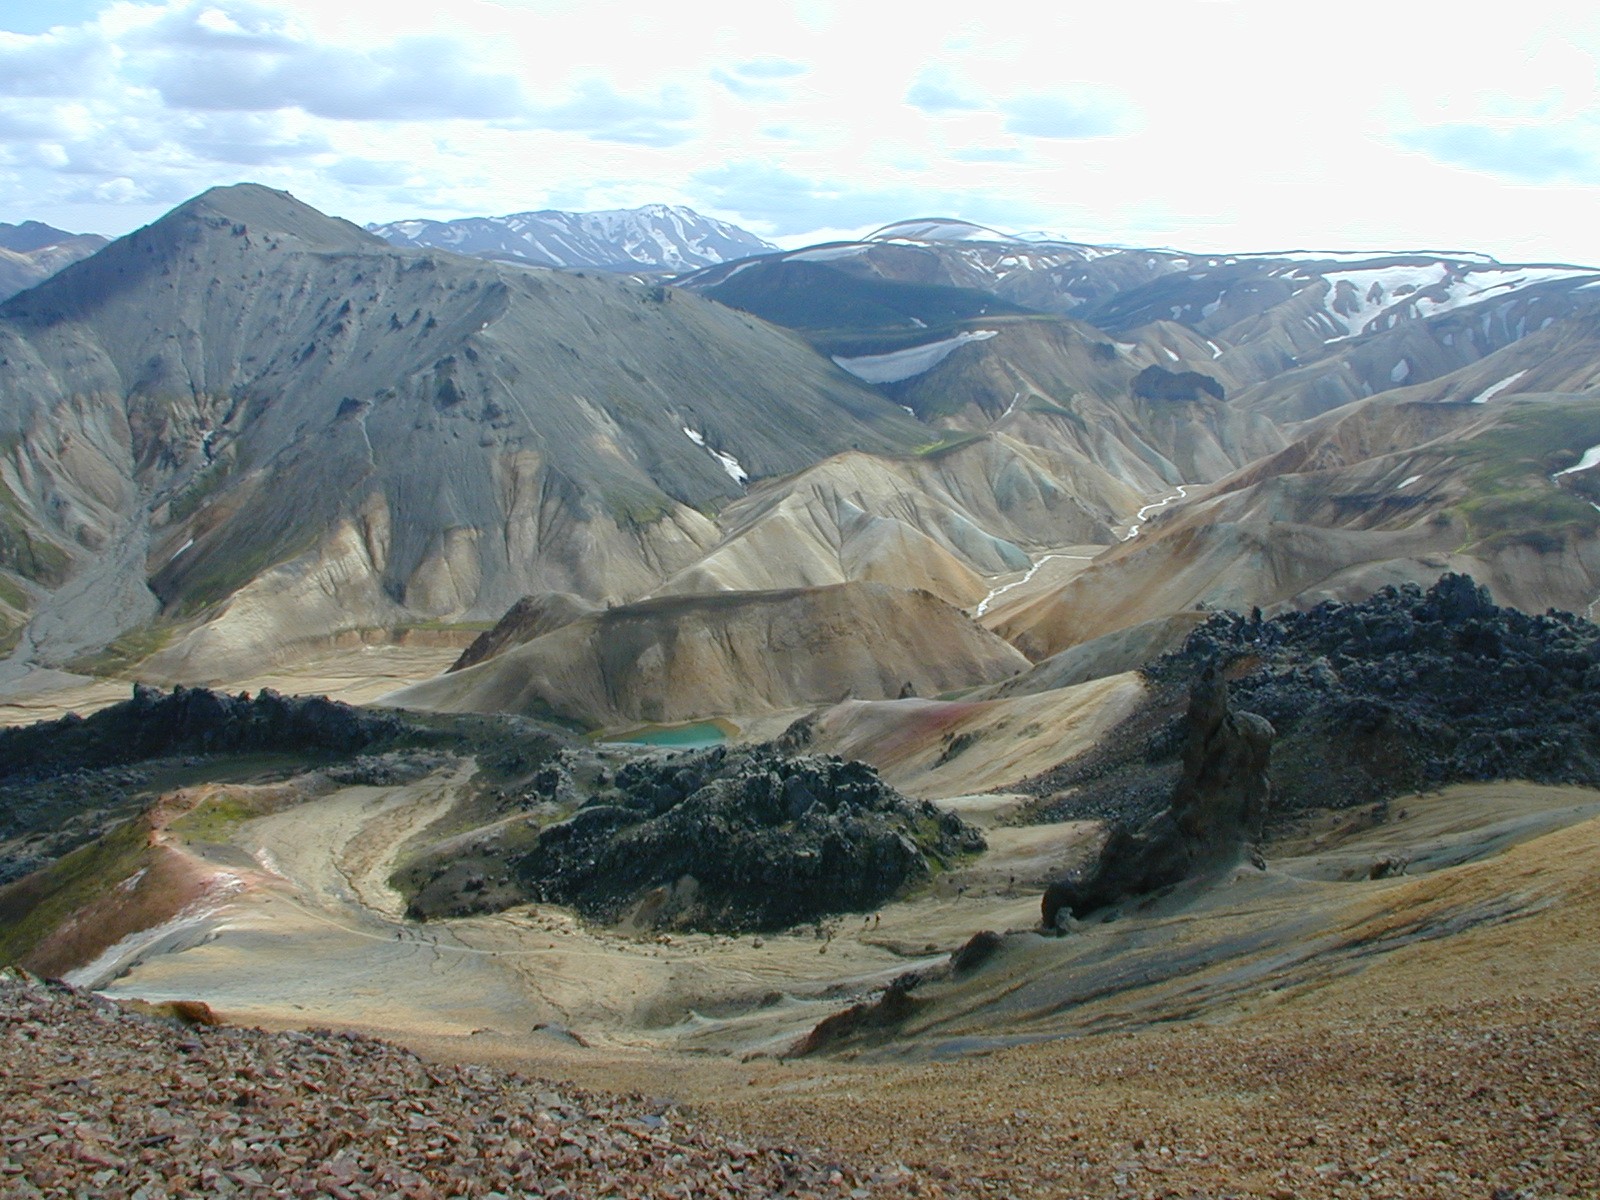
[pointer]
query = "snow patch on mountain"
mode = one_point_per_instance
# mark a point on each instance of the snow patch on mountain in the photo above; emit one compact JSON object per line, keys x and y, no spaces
{"x":825,"y":253}
{"x":1356,"y":256}
{"x":1495,"y":281}
{"x":1590,"y":459}
{"x":1356,"y":298}
{"x":730,"y":464}
{"x":937,"y":229}
{"x":655,"y":237}
{"x":1494,"y":389}
{"x":914,"y":360}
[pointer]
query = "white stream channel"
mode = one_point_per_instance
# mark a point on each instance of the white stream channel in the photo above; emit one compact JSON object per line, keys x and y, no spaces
{"x":1139,"y":518}
{"x":1143,"y":515}
{"x":983,"y":605}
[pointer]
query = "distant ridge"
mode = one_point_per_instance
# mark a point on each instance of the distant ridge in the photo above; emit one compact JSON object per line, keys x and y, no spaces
{"x":655,"y":237}
{"x":33,"y":251}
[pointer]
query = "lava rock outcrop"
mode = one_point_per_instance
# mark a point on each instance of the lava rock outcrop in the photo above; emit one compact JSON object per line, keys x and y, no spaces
{"x":1177,"y":387}
{"x":1219,"y":802}
{"x":740,"y":840}
{"x":1411,"y":690}
{"x":191,"y":720}
{"x":1407,"y":690}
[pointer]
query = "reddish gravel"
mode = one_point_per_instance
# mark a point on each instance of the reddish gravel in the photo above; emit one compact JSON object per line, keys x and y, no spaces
{"x":1496,"y":1100}
{"x":102,"y":1102}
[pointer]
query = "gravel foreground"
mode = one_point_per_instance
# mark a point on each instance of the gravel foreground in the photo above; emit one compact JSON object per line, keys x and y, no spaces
{"x":1496,"y":1100}
{"x":99,"y":1101}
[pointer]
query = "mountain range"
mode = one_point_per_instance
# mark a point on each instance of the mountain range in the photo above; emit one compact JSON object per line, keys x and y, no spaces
{"x":927,"y":646}
{"x":33,"y":251}
{"x":653,"y":238}
{"x":250,"y":428}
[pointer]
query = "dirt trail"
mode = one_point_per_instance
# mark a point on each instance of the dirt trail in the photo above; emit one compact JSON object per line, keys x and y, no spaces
{"x":317,"y":934}
{"x":340,"y":851}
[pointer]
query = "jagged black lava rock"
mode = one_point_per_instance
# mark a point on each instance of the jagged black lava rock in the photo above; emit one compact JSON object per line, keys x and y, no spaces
{"x":1409,"y":689}
{"x":154,"y":724}
{"x":734,"y":840}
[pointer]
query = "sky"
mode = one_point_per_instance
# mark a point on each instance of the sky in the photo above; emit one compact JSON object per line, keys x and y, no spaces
{"x":1225,"y":125}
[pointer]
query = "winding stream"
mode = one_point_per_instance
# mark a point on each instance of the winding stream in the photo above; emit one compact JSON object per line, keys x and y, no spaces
{"x":983,"y":605}
{"x":1139,"y":518}
{"x":1143,"y":515}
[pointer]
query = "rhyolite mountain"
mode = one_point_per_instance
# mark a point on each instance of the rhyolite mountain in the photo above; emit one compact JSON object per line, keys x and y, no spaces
{"x":249,"y":427}
{"x":1297,"y":332}
{"x":262,"y":419}
{"x":652,"y":238}
{"x":675,"y":658}
{"x":33,"y":251}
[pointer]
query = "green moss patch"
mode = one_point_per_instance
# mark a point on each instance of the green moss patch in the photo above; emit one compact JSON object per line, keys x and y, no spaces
{"x":32,"y":908}
{"x":119,"y":656}
{"x":950,"y":441}
{"x":1513,"y":499}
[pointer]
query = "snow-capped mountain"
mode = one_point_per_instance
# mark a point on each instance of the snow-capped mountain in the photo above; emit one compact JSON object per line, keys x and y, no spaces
{"x":1041,"y":272}
{"x":656,"y":237}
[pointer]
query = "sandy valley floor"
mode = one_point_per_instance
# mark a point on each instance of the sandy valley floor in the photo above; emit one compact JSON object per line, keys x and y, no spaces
{"x":1299,"y":1031}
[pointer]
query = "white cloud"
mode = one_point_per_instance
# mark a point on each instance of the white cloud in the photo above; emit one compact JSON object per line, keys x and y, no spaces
{"x":1244,"y":125}
{"x":251,"y":60}
{"x":57,"y":63}
{"x":1067,"y":116}
{"x":1529,"y":152}
{"x":597,"y":109}
{"x":934,"y":92}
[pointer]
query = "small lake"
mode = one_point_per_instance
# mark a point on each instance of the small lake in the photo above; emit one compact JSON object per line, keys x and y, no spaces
{"x":695,"y":736}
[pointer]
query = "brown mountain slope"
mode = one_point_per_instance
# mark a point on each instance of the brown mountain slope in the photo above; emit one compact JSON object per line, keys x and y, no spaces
{"x":937,"y":521}
{"x":1066,"y":386}
{"x":1385,"y":492}
{"x":681,"y":657}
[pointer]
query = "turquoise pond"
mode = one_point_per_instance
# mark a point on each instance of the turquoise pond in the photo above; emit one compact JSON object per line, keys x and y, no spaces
{"x":681,"y":737}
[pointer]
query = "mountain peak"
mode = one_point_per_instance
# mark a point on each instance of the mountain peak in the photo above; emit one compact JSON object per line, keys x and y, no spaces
{"x":242,"y":214}
{"x":265,"y":210}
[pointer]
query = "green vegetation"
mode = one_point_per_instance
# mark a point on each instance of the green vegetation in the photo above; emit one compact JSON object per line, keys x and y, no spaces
{"x":637,"y":508}
{"x":125,"y":652}
{"x":32,"y":907}
{"x":440,"y":626}
{"x":202,"y":487}
{"x":952,"y":440}
{"x":14,"y":596}
{"x":221,"y":575}
{"x":215,"y":817}
{"x":1513,"y":500}
{"x":946,"y":403}
{"x":1036,"y":404}
{"x":24,"y":550}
